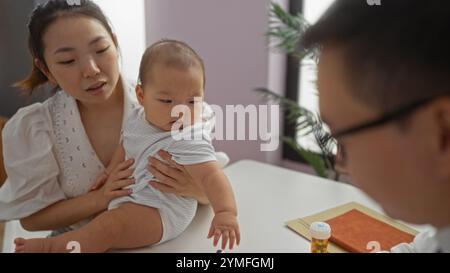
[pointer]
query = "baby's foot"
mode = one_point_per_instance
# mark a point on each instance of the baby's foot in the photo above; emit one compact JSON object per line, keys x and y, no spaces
{"x":37,"y":245}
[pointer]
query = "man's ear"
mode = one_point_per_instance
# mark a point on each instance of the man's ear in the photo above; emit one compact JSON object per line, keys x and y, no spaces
{"x":442,"y":115}
{"x":43,"y":68}
{"x":140,"y":94}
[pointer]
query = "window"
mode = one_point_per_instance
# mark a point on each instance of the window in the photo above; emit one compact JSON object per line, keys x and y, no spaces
{"x":128,"y":22}
{"x":301,"y":78}
{"x":308,"y":97}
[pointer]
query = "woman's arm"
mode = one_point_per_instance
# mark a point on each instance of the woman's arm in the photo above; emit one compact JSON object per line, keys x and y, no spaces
{"x":71,"y":211}
{"x":63,"y":213}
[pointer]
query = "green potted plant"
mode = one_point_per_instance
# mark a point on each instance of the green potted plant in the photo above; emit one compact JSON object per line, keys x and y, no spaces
{"x":285,"y":31}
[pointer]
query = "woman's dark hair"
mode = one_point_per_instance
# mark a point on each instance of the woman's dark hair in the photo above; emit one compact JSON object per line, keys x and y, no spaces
{"x":394,"y":53}
{"x":41,"y":17}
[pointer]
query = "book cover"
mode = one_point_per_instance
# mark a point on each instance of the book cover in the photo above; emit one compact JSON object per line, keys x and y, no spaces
{"x":356,"y":231}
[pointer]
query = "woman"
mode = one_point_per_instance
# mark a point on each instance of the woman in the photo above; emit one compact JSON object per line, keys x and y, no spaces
{"x":54,"y":151}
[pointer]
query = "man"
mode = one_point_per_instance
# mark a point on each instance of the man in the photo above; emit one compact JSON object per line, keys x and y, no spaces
{"x":384,"y":88}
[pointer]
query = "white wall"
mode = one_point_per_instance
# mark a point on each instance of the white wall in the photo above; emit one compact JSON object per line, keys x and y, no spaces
{"x":229,"y":35}
{"x":128,"y":22}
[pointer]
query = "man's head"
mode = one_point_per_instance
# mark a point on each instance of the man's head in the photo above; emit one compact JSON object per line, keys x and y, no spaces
{"x":171,"y":74}
{"x":374,"y":61}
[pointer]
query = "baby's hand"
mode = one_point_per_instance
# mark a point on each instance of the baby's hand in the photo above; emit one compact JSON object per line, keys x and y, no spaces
{"x":225,"y":224}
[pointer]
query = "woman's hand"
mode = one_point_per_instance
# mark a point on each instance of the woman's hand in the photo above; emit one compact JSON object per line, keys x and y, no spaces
{"x":115,"y":183}
{"x":118,"y":157}
{"x":173,"y":178}
{"x":100,"y":181}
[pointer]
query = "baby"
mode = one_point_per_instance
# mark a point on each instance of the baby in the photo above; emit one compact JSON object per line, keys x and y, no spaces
{"x":171,"y":90}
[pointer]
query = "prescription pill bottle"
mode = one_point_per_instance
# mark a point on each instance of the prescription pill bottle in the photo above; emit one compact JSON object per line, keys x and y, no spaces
{"x":320,"y":233}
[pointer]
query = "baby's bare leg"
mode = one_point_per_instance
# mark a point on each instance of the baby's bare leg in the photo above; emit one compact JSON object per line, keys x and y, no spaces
{"x":129,"y":226}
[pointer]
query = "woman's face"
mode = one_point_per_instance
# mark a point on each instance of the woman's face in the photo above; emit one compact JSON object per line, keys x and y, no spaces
{"x":81,"y":58}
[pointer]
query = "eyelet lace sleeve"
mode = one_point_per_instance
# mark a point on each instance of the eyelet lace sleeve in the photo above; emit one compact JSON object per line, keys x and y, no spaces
{"x":30,"y":164}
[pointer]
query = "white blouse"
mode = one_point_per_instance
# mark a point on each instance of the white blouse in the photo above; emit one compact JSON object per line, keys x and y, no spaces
{"x":48,"y":156}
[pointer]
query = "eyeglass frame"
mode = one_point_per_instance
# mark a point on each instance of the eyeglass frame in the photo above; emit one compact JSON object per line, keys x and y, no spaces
{"x":384,"y":119}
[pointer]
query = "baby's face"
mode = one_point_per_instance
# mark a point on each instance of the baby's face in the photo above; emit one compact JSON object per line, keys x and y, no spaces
{"x":168,"y":87}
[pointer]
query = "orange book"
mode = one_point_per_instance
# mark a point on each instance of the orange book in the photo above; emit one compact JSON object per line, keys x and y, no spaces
{"x":354,"y":230}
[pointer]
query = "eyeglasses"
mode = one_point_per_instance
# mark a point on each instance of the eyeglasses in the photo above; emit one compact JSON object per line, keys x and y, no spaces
{"x":339,"y":158}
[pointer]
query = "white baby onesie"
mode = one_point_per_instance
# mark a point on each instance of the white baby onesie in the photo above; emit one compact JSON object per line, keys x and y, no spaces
{"x":141,"y":140}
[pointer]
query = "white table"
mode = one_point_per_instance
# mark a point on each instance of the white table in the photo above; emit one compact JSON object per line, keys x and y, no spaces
{"x":267,"y":196}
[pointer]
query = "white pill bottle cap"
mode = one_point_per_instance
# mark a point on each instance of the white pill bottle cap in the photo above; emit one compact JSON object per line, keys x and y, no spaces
{"x":320,"y":230}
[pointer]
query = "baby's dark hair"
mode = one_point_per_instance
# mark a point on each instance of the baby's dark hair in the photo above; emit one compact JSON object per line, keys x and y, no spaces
{"x":395,"y":54}
{"x":171,"y":53}
{"x":41,"y":17}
